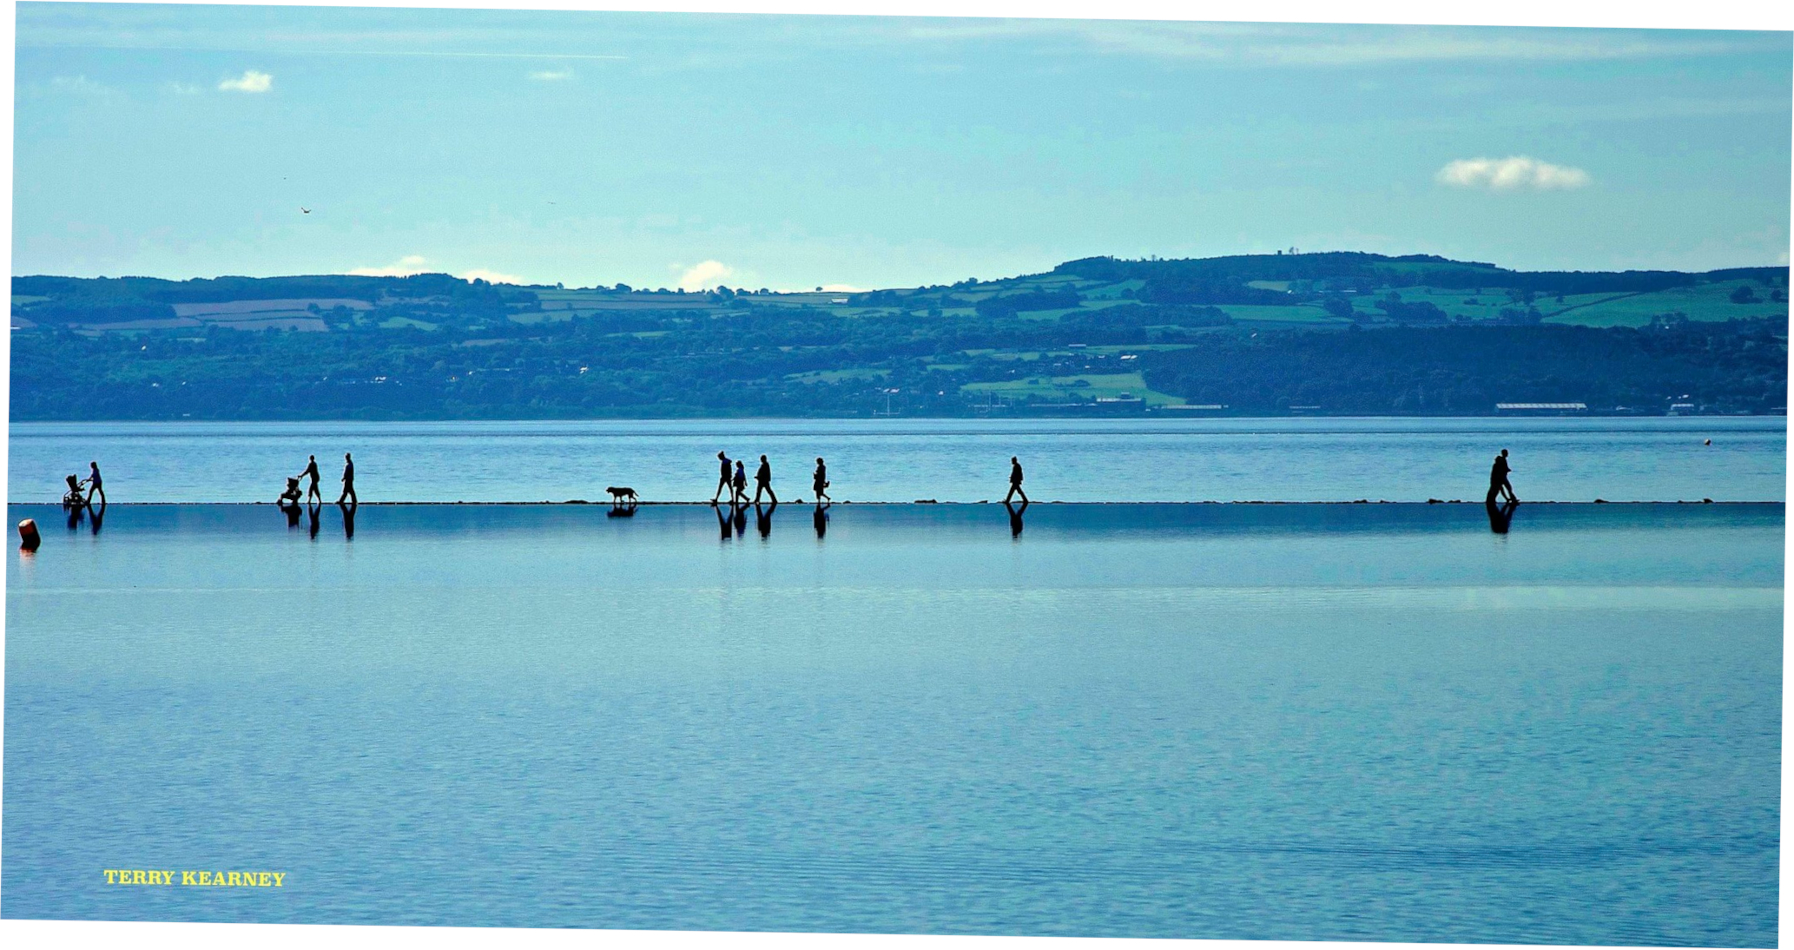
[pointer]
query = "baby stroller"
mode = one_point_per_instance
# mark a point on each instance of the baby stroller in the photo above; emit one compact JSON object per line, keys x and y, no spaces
{"x":290,"y":497}
{"x":73,"y":498}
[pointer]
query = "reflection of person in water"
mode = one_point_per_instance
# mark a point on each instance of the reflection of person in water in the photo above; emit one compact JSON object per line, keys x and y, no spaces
{"x":1498,"y":478}
{"x":763,"y":518}
{"x":739,"y":494}
{"x":1500,"y":516}
{"x":763,"y":482}
{"x":312,"y":512}
{"x":722,"y":482}
{"x":349,"y":520}
{"x":1015,"y":482}
{"x":819,"y":517}
{"x":819,"y":482}
{"x":724,"y":523}
{"x":348,"y":482}
{"x":1015,"y":517}
{"x":741,"y":517}
{"x":95,"y":516}
{"x":311,"y":471}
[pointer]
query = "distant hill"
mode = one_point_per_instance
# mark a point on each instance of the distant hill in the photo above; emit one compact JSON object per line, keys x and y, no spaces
{"x":1242,"y":334}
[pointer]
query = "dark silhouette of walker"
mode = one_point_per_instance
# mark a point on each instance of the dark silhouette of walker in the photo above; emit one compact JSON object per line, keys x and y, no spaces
{"x":819,"y":482}
{"x":739,"y":485}
{"x":1498,"y":482}
{"x":723,"y":484}
{"x":311,"y":471}
{"x":1015,"y":482}
{"x":348,"y":482}
{"x":763,"y":482}
{"x":93,"y":485}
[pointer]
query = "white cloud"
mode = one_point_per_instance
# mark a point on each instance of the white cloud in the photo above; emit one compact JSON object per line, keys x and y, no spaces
{"x":490,"y":276}
{"x":182,"y":88}
{"x":705,"y":275}
{"x":551,"y":75}
{"x":250,"y":81}
{"x":1508,"y":174}
{"x":404,"y":267}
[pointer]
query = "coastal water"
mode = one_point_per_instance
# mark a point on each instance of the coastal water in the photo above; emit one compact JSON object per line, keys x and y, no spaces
{"x":1365,"y":722}
{"x":1632,"y":459}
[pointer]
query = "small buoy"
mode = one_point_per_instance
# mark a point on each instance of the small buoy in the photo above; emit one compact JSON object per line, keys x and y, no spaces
{"x":1709,"y":442}
{"x":28,"y":537}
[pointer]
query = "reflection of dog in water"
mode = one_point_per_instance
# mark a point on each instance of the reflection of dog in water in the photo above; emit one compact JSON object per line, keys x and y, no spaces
{"x":619,"y":495}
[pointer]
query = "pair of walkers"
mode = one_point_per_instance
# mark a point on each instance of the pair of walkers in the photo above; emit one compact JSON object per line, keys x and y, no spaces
{"x":732,"y":478}
{"x":1498,"y":480}
{"x":312,"y":492}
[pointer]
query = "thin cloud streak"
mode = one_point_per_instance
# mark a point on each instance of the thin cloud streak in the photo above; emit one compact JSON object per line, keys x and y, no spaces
{"x":330,"y":52}
{"x":1511,"y":173}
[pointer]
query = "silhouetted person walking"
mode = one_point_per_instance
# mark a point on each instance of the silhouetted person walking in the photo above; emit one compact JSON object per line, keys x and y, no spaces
{"x":722,"y":482}
{"x":348,"y":482}
{"x":311,"y":472}
{"x":93,"y":484}
{"x":763,"y":481}
{"x":1498,"y":478}
{"x":1015,"y":482}
{"x":738,"y":495}
{"x":819,"y":482}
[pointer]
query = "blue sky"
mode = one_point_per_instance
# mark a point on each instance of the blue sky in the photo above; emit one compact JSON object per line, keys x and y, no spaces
{"x":788,"y":152}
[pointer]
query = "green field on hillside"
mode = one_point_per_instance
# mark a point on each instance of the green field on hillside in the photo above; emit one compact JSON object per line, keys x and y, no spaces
{"x":1703,"y":302}
{"x":1081,"y":386}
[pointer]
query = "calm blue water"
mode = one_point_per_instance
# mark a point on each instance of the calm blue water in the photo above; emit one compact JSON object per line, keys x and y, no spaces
{"x":1657,"y":459}
{"x":1367,"y":722}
